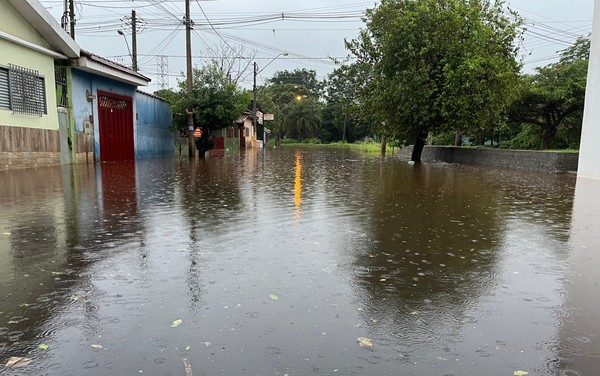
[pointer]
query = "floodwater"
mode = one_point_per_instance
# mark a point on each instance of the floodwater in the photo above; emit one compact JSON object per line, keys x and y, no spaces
{"x":297,"y":262}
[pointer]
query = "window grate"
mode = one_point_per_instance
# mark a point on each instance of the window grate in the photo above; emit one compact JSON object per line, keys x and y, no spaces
{"x":60,"y":77}
{"x":113,"y":103}
{"x":27,"y":91}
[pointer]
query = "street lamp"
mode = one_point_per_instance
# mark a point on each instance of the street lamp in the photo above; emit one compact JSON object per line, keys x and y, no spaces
{"x":256,"y":72}
{"x":120,"y":32}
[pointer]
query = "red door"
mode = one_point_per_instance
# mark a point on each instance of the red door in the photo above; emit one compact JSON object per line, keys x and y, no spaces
{"x":115,"y":117}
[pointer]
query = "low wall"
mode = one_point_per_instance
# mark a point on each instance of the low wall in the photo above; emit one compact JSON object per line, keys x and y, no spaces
{"x":528,"y":160}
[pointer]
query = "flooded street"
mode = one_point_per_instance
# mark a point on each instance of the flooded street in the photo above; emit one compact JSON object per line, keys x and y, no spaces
{"x":298,"y":262}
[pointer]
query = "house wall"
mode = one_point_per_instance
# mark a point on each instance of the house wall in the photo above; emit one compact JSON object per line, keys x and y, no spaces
{"x":250,"y":137}
{"x":25,"y":140}
{"x":153,"y":121}
{"x":83,"y":82}
{"x":15,"y":24}
{"x":44,"y":64}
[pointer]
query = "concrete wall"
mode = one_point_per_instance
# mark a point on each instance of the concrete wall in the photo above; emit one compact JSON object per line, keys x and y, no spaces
{"x":515,"y":159}
{"x":589,"y":159}
{"x":153,"y":134}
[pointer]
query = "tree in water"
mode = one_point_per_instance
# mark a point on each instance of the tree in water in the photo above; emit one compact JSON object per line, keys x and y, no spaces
{"x":437,"y":65}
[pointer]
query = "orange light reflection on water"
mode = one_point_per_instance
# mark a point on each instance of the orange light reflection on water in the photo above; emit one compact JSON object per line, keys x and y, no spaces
{"x":298,"y":186}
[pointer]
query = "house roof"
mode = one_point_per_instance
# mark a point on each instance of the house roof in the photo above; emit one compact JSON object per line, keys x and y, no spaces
{"x":153,"y":96}
{"x":242,"y":118}
{"x":47,"y":26}
{"x":101,"y":66}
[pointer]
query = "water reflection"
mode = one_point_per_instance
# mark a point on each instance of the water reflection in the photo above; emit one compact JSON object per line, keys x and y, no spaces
{"x":298,"y":186}
{"x":579,"y":335}
{"x":445,"y":269}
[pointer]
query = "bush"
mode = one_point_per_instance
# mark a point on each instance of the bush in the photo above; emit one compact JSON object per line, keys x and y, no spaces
{"x":312,"y":141}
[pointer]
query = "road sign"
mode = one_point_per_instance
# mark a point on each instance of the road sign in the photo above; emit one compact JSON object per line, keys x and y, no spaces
{"x":198,"y":133}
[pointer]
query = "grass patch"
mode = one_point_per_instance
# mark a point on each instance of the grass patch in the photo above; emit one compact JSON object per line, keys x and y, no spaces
{"x":365,"y":147}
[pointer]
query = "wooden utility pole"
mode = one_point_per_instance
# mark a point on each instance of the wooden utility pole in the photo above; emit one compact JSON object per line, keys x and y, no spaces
{"x":72,"y":17}
{"x":188,"y":56}
{"x":254,"y":109}
{"x":134,"y":65}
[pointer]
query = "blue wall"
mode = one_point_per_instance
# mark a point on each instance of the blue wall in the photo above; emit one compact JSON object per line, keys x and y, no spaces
{"x":153,"y":136}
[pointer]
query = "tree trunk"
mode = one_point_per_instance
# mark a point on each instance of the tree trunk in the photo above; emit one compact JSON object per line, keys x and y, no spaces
{"x":458,"y":138}
{"x":383,"y":146}
{"x":547,"y":137}
{"x":418,"y":148}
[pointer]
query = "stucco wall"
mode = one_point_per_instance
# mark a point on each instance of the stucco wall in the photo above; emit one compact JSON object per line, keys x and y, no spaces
{"x":153,"y":134}
{"x":44,"y":64}
{"x":15,"y":24}
{"x":515,"y":159}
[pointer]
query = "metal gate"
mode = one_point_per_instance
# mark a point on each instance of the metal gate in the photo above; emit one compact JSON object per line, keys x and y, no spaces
{"x":115,"y":117}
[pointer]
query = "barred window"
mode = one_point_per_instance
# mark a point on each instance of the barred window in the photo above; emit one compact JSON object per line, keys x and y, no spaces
{"x":4,"y":89}
{"x":23,"y":91}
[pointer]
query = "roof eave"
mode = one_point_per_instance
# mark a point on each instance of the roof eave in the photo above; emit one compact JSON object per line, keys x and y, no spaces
{"x":92,"y":66}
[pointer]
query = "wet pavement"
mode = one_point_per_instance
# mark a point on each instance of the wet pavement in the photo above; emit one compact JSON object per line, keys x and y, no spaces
{"x":297,"y":262}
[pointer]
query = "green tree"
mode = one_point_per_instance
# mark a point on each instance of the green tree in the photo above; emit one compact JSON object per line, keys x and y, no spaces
{"x":341,"y":116}
{"x":305,"y":81}
{"x":304,"y":120}
{"x":277,"y":99}
{"x":437,"y":65}
{"x":552,"y":99}
{"x":216,"y":102}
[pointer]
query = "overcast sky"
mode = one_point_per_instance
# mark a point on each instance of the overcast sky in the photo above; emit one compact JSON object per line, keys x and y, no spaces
{"x":310,"y":31}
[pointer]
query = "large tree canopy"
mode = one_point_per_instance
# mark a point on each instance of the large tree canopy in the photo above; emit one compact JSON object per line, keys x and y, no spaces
{"x":216,"y":102}
{"x":552,"y":98}
{"x":437,"y":65}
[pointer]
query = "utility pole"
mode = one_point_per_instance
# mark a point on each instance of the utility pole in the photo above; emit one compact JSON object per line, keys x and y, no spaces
{"x":72,"y":17}
{"x":64,"y":19}
{"x":134,"y":65}
{"x":254,"y":109}
{"x":188,"y":55}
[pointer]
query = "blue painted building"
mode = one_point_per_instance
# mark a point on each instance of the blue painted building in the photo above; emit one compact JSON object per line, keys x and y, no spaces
{"x":154,"y":136}
{"x":112,"y":121}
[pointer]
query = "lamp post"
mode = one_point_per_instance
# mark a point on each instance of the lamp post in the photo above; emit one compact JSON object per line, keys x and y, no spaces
{"x":256,"y":72}
{"x":278,"y":112}
{"x":120,"y":32}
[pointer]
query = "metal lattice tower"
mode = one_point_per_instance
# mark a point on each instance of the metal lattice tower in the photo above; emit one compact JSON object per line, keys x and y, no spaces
{"x":162,"y":72}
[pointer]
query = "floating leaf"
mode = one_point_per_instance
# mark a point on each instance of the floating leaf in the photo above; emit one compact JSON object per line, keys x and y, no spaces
{"x":16,"y":362}
{"x":382,"y":280}
{"x":97,"y":346}
{"x":521,"y":373}
{"x":366,"y":342}
{"x":273,"y":297}
{"x":176,"y":323}
{"x":43,"y":346}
